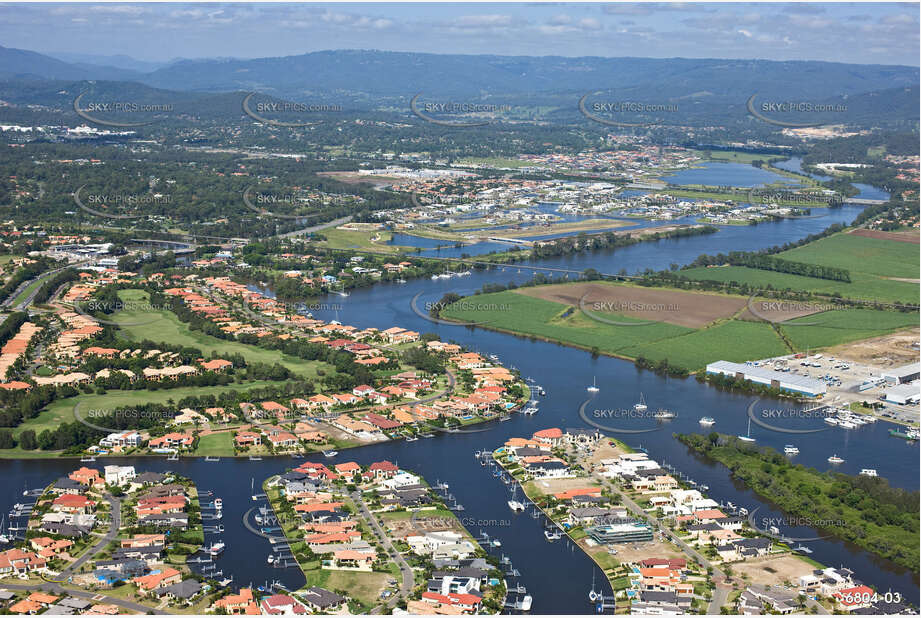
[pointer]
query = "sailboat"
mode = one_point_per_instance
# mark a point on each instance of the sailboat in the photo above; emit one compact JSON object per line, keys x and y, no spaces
{"x":641,"y":405}
{"x":593,"y":388}
{"x":748,"y":436}
{"x":4,"y":538}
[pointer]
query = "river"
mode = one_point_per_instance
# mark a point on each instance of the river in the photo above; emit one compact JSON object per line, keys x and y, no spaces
{"x":557,"y":575}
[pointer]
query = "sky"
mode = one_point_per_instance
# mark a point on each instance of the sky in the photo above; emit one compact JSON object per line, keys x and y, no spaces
{"x":864,"y":33}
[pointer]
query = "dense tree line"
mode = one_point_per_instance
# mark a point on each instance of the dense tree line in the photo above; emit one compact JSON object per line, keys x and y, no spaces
{"x":23,"y":274}
{"x":864,"y":510}
{"x":766,"y":262}
{"x":65,"y":276}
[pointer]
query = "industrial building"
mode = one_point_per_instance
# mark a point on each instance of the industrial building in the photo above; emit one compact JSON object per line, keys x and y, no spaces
{"x":902,"y":394}
{"x":793,"y":383}
{"x":903,"y":374}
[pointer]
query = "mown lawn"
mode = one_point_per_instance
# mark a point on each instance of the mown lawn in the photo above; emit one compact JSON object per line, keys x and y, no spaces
{"x":62,"y":410}
{"x":215,"y":444}
{"x":141,"y":323}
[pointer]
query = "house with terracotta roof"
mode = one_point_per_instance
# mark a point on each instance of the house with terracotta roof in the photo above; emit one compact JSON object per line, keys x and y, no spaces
{"x":218,"y":364}
{"x":154,"y":581}
{"x":70,"y":503}
{"x":172,"y":440}
{"x":18,"y":562}
{"x":241,"y":603}
{"x":279,"y":604}
{"x":348,"y":468}
{"x":552,"y":437}
{"x":86,"y":476}
{"x":382,"y":470}
{"x":350,"y":560}
{"x":469,"y":603}
{"x":247,"y":438}
{"x":382,"y":422}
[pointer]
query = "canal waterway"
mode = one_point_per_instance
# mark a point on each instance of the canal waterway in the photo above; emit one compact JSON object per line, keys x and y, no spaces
{"x":557,"y":575}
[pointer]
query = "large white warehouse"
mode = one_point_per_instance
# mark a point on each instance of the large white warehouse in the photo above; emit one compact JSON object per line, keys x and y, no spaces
{"x":777,"y":379}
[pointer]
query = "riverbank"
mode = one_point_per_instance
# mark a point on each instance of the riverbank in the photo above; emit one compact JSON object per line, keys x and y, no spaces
{"x":861,"y":510}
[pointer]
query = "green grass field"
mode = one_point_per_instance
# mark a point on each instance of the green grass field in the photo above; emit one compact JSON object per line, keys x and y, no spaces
{"x":62,"y":410}
{"x":874,"y":256}
{"x":215,"y":444}
{"x":136,"y":325}
{"x":869,"y":260}
{"x":862,"y":287}
{"x":843,"y":326}
{"x":735,"y":340}
{"x":545,"y":319}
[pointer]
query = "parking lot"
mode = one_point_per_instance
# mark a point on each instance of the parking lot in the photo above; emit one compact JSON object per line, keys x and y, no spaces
{"x":845,"y":379}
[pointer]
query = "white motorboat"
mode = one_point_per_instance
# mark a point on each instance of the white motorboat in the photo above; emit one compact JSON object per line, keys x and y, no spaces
{"x":216,"y":548}
{"x":516,"y":506}
{"x":868,"y":472}
{"x":707,"y":421}
{"x":790,"y":450}
{"x":835,"y":459}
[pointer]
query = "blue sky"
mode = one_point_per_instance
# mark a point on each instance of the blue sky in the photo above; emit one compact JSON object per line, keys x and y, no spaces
{"x":866,"y":33}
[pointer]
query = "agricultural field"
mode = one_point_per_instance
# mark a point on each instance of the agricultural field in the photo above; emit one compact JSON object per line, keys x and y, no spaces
{"x":832,"y":328}
{"x":881,"y":269}
{"x":688,"y":329}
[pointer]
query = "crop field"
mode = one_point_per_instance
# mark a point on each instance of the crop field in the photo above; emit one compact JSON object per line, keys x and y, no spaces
{"x":733,"y":340}
{"x":525,"y":315}
{"x":874,"y":256}
{"x":843,"y":326}
{"x":883,"y":270}
{"x":685,"y":328}
{"x":689,"y":309}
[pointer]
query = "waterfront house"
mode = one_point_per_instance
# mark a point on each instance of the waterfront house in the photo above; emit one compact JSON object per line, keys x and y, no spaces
{"x":70,"y":503}
{"x":350,"y":560}
{"x":240,"y":603}
{"x":467,"y":603}
{"x":322,"y":600}
{"x":149,"y":583}
{"x":119,"y":475}
{"x":247,"y":438}
{"x":552,"y":437}
{"x":86,"y":476}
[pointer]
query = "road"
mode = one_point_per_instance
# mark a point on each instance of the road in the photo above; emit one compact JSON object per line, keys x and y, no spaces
{"x":721,"y":589}
{"x":115,"y":506}
{"x":316,"y":228}
{"x":409,"y":579}
{"x":57,"y":588}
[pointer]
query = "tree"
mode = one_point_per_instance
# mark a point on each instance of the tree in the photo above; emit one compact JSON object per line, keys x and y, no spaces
{"x":27,"y":440}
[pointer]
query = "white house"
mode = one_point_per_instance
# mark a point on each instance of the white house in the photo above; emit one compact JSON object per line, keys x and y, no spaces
{"x":119,"y":475}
